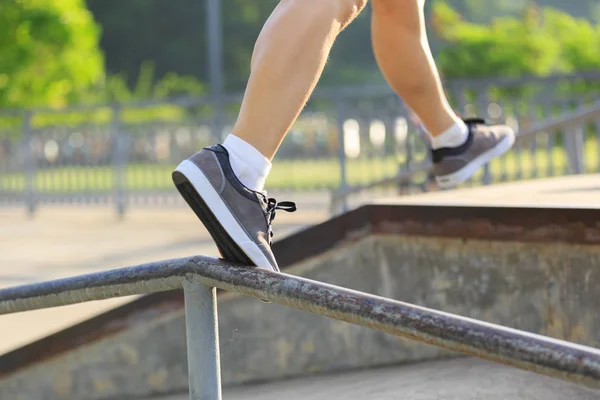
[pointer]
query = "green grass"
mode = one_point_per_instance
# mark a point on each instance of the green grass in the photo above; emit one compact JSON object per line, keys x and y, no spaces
{"x":293,"y":175}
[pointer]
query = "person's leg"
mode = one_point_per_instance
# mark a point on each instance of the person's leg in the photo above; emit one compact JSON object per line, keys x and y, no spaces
{"x":402,"y":52}
{"x":288,"y":59}
{"x":223,"y":183}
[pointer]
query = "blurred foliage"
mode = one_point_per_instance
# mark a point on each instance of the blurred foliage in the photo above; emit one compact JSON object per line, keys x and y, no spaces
{"x":539,"y":42}
{"x":117,"y":90}
{"x":175,"y":39}
{"x":595,"y":12}
{"x":173,"y":35}
{"x":50,"y":56}
{"x":484,"y":11}
{"x":49,"y":52}
{"x":50,"y":49}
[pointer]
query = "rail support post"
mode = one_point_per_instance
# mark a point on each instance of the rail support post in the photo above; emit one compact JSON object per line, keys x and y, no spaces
{"x":202,"y":330}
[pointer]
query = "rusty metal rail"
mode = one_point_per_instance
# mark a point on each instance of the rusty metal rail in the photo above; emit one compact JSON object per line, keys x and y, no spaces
{"x":196,"y":275}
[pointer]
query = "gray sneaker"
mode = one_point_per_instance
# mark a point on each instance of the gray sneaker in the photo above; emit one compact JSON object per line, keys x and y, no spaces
{"x":238,"y":219}
{"x":453,"y":166}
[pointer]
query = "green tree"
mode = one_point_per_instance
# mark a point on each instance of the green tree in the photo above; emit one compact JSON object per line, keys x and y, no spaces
{"x":539,"y":42}
{"x":49,"y":52}
{"x":170,"y":85}
{"x":484,"y":11}
{"x":579,"y":40}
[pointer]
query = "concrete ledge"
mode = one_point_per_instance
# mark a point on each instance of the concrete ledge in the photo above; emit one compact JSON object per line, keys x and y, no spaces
{"x":548,"y":288}
{"x":522,"y":224}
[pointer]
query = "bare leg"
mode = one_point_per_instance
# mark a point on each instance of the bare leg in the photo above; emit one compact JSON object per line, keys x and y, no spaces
{"x":288,"y":60}
{"x":402,"y":51}
{"x":404,"y":57}
{"x":223,"y":183}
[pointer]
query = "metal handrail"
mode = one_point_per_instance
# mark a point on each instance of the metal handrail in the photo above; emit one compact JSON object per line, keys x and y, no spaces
{"x":566,"y":120}
{"x":196,"y":275}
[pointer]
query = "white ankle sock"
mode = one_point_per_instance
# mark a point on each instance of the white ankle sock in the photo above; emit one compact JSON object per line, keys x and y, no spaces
{"x":454,"y":136}
{"x":248,"y":164}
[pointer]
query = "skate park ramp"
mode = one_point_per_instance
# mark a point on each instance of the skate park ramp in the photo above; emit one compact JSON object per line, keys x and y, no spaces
{"x":531,"y":268}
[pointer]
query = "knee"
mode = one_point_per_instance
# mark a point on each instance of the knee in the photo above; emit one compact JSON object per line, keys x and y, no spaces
{"x":326,"y":11}
{"x":397,"y":7}
{"x":343,"y":11}
{"x":351,"y":7}
{"x":347,"y":10}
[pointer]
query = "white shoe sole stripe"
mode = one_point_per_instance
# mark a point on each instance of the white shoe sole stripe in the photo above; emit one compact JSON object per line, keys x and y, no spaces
{"x":462,"y":175}
{"x":218,"y":207}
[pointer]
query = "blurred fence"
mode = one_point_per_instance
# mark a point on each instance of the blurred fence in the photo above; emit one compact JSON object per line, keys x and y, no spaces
{"x":346,"y":138}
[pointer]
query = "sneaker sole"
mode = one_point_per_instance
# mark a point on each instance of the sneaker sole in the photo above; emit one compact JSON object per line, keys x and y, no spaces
{"x":463,"y":174}
{"x":231,"y":239}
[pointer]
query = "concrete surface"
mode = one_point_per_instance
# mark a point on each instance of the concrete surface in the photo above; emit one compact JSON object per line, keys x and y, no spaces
{"x":458,"y":379}
{"x":548,"y":288}
{"x":575,"y":191}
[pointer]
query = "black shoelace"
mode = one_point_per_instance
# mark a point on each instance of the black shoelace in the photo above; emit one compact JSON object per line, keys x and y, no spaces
{"x":272,"y":207}
{"x":474,"y":121}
